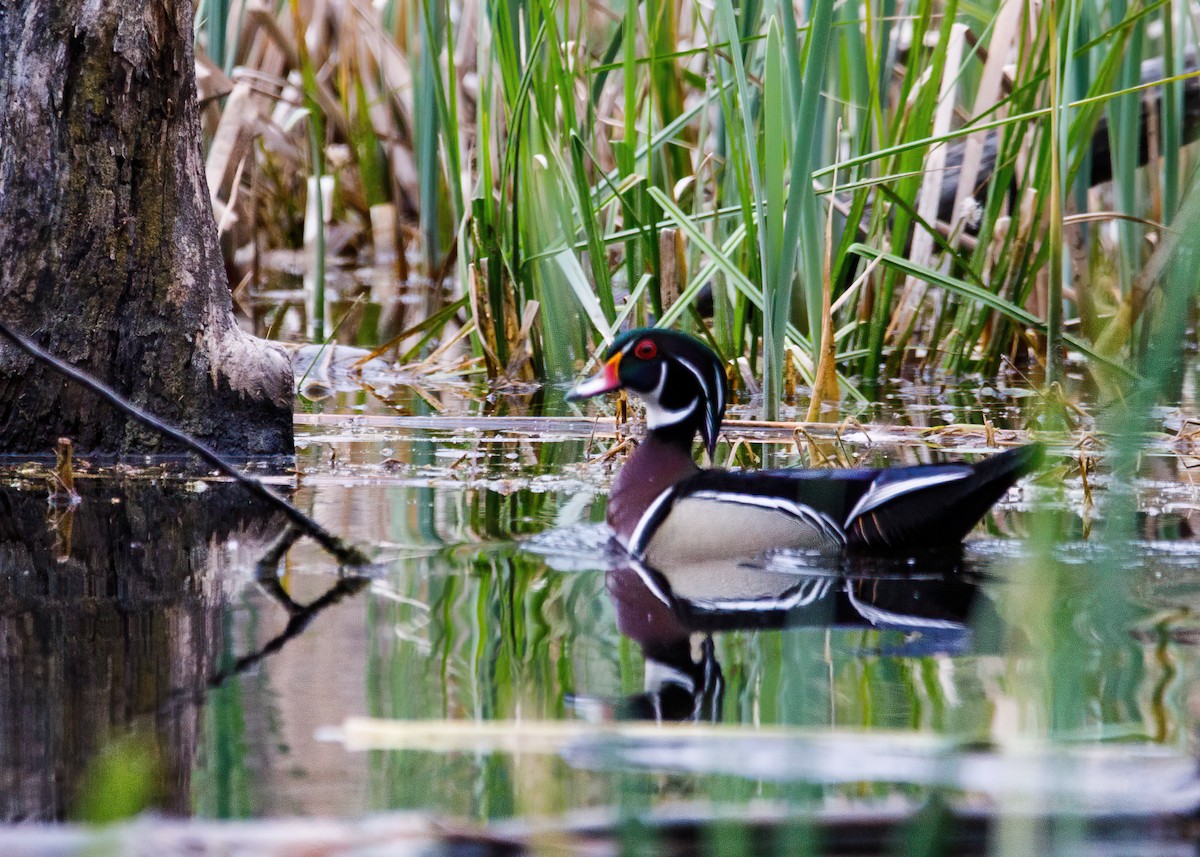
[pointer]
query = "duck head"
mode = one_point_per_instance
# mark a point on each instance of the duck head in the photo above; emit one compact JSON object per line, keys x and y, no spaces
{"x":678,"y":377}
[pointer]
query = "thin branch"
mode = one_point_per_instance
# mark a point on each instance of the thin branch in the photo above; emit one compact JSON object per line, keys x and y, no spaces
{"x":343,"y":552}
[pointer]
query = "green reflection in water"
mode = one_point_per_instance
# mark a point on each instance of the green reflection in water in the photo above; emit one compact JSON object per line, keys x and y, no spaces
{"x":464,"y":625}
{"x":221,"y":788}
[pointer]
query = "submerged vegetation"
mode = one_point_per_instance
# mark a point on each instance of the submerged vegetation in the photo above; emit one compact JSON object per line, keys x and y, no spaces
{"x":538,"y":174}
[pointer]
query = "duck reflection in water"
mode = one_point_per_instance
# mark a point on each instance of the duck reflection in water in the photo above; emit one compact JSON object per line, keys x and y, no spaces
{"x":932,"y":600}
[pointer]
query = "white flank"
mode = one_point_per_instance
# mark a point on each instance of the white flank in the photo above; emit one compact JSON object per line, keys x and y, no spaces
{"x":779,"y":504}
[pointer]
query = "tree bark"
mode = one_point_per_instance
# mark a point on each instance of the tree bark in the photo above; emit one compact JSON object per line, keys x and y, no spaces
{"x":108,"y":250}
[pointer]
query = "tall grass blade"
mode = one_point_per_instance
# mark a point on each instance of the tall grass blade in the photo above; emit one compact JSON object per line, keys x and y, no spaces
{"x":776,"y":288}
{"x":1059,"y":125}
{"x":318,"y":308}
{"x":426,"y":113}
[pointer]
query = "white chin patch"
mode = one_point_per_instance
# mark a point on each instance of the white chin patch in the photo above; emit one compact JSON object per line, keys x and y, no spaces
{"x":659,"y":417}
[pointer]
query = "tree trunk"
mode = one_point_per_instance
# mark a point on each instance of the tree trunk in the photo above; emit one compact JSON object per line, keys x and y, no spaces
{"x":108,"y":250}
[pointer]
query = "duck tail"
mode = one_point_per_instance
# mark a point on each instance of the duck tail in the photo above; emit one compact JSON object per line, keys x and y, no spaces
{"x":1010,"y":465}
{"x":926,"y":507}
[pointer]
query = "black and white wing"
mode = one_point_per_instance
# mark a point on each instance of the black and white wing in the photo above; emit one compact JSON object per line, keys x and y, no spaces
{"x":913,"y":508}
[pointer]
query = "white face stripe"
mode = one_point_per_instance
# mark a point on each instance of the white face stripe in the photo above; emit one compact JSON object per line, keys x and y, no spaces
{"x":687,"y":364}
{"x":876,"y":496}
{"x":656,"y":415}
{"x":717,"y":396}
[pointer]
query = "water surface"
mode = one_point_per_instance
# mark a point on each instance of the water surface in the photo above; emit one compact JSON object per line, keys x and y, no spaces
{"x":976,"y":676}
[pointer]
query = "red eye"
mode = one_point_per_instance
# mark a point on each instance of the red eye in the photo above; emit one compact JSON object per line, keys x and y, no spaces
{"x":645,"y":350}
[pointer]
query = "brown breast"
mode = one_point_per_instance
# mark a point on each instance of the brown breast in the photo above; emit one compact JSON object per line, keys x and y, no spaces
{"x":652,"y":468}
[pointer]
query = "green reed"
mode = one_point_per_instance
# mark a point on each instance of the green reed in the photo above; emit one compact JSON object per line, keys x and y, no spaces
{"x":554,"y":152}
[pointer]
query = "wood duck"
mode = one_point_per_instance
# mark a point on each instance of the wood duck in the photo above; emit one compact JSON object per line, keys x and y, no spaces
{"x":668,"y":512}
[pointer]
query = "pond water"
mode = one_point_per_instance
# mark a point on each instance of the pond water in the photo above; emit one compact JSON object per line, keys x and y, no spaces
{"x":1050,"y":666}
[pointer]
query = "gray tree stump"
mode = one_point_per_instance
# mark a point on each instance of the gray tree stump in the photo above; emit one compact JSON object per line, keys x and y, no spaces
{"x":108,"y":250}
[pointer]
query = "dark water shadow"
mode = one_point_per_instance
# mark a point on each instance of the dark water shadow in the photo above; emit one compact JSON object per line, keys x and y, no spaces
{"x":111,"y":617}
